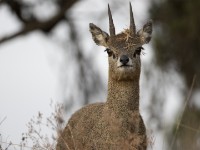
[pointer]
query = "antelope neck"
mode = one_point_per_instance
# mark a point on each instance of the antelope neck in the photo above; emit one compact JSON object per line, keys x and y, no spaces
{"x":123,"y":96}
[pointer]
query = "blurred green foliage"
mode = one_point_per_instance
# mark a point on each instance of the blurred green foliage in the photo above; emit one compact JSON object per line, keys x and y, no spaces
{"x":177,"y":44}
{"x":177,"y":39}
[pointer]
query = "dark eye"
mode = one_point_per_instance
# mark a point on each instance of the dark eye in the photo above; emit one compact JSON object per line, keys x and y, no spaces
{"x":109,"y":52}
{"x":138,"y":51}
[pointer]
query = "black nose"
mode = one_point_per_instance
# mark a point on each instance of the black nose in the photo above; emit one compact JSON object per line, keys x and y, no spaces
{"x":124,"y":59}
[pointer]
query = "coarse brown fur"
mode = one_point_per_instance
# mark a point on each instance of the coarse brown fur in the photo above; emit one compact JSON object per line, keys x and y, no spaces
{"x":117,"y":123}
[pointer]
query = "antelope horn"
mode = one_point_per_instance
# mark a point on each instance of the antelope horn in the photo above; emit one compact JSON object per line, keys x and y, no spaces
{"x":111,"y":24}
{"x":132,"y":22}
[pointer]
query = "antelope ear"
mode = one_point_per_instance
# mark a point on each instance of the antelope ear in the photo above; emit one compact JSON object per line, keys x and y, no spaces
{"x":100,"y":37}
{"x":145,"y":32}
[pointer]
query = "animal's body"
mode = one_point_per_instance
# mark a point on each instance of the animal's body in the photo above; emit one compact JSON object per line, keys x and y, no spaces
{"x":117,"y":123}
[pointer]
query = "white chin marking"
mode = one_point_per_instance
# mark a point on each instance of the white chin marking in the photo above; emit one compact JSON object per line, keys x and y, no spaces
{"x":125,"y":68}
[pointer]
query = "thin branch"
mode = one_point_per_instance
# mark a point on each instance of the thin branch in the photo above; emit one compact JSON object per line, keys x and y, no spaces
{"x":180,"y":119}
{"x":189,"y":128}
{"x":13,"y":144}
{"x":3,"y":120}
{"x":43,"y":26}
{"x":17,"y":7}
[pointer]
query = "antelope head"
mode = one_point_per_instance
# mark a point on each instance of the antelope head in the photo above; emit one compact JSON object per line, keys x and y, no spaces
{"x":123,"y":49}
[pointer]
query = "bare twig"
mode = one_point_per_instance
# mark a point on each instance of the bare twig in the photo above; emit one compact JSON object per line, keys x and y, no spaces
{"x":34,"y":24}
{"x":3,"y":120}
{"x":13,"y":144}
{"x":180,"y":119}
{"x":9,"y":144}
{"x":189,"y":128}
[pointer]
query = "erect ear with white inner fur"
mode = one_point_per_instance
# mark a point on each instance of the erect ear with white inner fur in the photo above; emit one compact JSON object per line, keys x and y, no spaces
{"x":145,"y":32}
{"x":100,"y":37}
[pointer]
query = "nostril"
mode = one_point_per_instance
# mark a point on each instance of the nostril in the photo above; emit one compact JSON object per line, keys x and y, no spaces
{"x":124,"y":59}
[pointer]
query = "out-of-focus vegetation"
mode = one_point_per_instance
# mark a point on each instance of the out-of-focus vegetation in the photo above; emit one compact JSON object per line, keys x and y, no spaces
{"x":42,"y":133}
{"x":177,"y":44}
{"x":177,"y":39}
{"x":77,"y":71}
{"x":33,"y":16}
